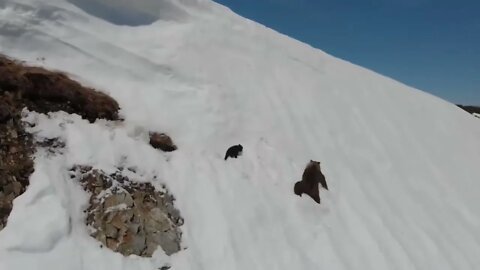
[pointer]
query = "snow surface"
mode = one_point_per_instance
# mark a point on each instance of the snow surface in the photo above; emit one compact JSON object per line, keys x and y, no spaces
{"x":402,"y":166}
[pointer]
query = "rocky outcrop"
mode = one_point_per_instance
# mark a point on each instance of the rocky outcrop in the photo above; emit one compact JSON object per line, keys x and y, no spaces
{"x":16,"y":164}
{"x":6,"y":110}
{"x":127,"y":216}
{"x":42,"y":91}
{"x":162,"y":141}
{"x":45,"y":91}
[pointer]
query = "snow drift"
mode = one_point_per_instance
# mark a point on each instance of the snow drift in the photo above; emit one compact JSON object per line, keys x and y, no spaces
{"x":401,"y":165}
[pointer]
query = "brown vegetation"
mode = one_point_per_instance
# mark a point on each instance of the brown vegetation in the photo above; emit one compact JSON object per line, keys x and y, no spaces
{"x":16,"y":149}
{"x":46,"y":91}
{"x":42,"y":91}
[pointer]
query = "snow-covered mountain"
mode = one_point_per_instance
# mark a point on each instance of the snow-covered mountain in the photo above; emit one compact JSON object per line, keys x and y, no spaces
{"x":402,"y":166}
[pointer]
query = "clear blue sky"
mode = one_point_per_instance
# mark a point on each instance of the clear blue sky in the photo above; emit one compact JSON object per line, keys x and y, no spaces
{"x":433,"y":45}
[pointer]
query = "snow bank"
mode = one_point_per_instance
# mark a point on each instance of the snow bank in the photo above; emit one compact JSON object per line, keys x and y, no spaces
{"x":401,"y":165}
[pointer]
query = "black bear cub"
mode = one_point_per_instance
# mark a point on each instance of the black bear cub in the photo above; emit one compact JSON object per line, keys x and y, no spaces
{"x":234,"y":151}
{"x":312,"y":176}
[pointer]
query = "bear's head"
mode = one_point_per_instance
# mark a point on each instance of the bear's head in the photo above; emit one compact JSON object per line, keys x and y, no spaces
{"x":314,"y":163}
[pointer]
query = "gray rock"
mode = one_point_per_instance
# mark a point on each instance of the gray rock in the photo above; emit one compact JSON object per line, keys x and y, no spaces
{"x":111,"y":231}
{"x":132,"y":219}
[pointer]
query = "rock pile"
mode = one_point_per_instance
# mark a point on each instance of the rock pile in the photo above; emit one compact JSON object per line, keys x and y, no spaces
{"x":42,"y":91}
{"x":130,"y":217}
{"x":126,"y":216}
{"x":45,"y":91}
{"x":16,"y":165}
{"x":162,"y":141}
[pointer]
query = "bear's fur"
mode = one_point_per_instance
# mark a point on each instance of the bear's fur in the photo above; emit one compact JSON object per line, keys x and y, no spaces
{"x":234,"y":151}
{"x":311,"y":177}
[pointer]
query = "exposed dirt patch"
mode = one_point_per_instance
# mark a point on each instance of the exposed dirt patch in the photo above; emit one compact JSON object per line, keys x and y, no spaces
{"x":42,"y":91}
{"x":45,"y":91}
{"x":162,"y":141}
{"x":127,"y":216}
{"x":16,"y":149}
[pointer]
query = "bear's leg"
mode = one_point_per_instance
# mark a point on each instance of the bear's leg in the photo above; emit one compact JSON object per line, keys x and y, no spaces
{"x":314,"y":193}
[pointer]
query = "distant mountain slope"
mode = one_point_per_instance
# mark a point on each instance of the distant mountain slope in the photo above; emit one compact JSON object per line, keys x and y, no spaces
{"x":470,"y":109}
{"x":401,"y":165}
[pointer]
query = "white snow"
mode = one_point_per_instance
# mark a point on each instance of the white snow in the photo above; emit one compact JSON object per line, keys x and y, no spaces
{"x":401,"y":165}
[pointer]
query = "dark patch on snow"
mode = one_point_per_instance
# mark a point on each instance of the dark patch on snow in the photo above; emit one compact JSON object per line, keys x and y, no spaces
{"x":46,"y":91}
{"x":16,"y":149}
{"x":42,"y":91}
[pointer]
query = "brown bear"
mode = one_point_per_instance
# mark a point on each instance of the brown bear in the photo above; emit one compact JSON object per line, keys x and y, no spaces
{"x":311,"y":177}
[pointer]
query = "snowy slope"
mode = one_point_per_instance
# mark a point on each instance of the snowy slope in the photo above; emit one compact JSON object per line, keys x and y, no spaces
{"x":402,"y":166}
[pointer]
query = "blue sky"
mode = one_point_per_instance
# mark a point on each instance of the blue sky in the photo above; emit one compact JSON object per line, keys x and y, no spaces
{"x":433,"y":45}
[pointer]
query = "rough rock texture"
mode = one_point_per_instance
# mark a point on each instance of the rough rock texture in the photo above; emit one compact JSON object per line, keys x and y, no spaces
{"x":42,"y":91}
{"x":126,"y":216}
{"x":6,"y":110}
{"x":129,"y":217}
{"x":16,"y":148}
{"x":162,"y":141}
{"x":46,"y":91}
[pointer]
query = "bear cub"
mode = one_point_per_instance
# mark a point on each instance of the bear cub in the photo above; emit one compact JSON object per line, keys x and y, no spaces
{"x":234,"y":151}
